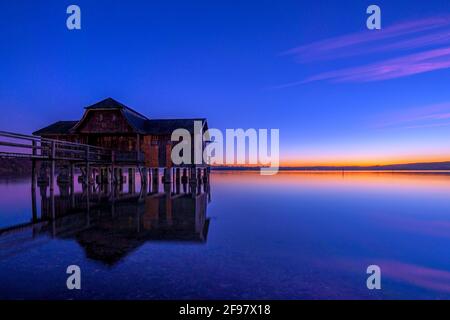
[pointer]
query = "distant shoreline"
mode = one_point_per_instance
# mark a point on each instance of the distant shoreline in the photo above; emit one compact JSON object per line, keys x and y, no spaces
{"x":425,"y":166}
{"x":18,"y":167}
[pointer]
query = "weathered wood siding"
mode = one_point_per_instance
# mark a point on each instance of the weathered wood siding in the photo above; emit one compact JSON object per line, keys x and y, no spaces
{"x":150,"y":149}
{"x":104,"y":121}
{"x":114,"y":142}
{"x":157,"y":151}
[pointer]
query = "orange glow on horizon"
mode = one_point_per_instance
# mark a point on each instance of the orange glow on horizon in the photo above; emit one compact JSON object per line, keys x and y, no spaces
{"x":356,"y":161}
{"x":362,"y":160}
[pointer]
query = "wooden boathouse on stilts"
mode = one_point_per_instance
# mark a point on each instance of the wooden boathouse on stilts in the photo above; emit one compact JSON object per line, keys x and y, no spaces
{"x":112,"y":139}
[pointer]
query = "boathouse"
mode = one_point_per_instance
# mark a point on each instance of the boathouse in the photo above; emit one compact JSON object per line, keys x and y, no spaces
{"x":135,"y":138}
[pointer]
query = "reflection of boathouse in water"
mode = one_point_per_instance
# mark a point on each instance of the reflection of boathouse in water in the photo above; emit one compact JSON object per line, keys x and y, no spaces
{"x":109,"y":224}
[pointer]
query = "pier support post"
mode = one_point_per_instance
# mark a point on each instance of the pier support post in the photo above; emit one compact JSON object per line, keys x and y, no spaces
{"x":88,"y":168}
{"x":149,"y":179}
{"x":34,"y":182}
{"x":131,"y":180}
{"x":113,"y":174}
{"x":72,"y":185}
{"x":167,"y":176}
{"x":193,"y":181}
{"x":120,"y":179}
{"x":33,"y":190}
{"x":177,"y":180}
{"x":52,"y":167}
{"x":52,"y":180}
{"x":184,"y":180}
{"x":155,"y":178}
{"x":144,"y":176}
{"x":199,"y":180}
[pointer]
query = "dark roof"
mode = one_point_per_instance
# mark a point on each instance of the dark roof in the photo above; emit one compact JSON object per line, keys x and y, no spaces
{"x":167,"y":126}
{"x":140,"y":123}
{"x":60,"y":127}
{"x":135,"y":119}
{"x":110,"y":103}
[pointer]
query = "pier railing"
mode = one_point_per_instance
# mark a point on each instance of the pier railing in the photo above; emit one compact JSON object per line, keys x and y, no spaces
{"x":14,"y":145}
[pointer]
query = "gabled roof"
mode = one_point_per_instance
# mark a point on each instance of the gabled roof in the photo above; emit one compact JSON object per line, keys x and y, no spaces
{"x":60,"y":127}
{"x":140,"y":123}
{"x":110,"y":103}
{"x":134,"y":118}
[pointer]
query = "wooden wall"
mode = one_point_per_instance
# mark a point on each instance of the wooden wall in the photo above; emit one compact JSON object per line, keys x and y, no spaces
{"x":104,"y":121}
{"x":152,"y":148}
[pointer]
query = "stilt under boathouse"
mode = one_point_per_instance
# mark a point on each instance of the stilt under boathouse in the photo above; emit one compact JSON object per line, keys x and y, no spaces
{"x":117,"y":140}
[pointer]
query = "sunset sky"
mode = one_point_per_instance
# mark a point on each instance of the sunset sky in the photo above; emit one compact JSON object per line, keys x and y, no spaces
{"x":339,"y":93}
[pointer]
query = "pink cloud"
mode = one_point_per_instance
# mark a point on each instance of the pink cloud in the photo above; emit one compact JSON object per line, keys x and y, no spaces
{"x":419,"y":34}
{"x":427,"y":61}
{"x":369,"y":41}
{"x":436,"y":115}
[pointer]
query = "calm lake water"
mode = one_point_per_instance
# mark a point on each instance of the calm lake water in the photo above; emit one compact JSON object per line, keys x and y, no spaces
{"x":290,"y":236}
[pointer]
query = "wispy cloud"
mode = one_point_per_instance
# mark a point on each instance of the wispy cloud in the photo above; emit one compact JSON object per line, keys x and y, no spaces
{"x":389,"y":69}
{"x":428,"y":34}
{"x":436,"y":115}
{"x":405,"y":35}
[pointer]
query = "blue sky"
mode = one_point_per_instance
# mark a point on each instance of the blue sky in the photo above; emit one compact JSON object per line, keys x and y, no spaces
{"x":242,"y":64}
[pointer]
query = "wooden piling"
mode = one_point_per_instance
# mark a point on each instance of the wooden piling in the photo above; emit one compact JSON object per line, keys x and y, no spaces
{"x":131,"y":180}
{"x":155,"y":178}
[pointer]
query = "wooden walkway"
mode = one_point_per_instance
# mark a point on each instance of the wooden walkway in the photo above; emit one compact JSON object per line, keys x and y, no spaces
{"x":95,"y":163}
{"x":16,"y":145}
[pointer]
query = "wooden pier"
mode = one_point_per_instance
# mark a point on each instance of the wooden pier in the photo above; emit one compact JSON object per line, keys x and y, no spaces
{"x":55,"y":161}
